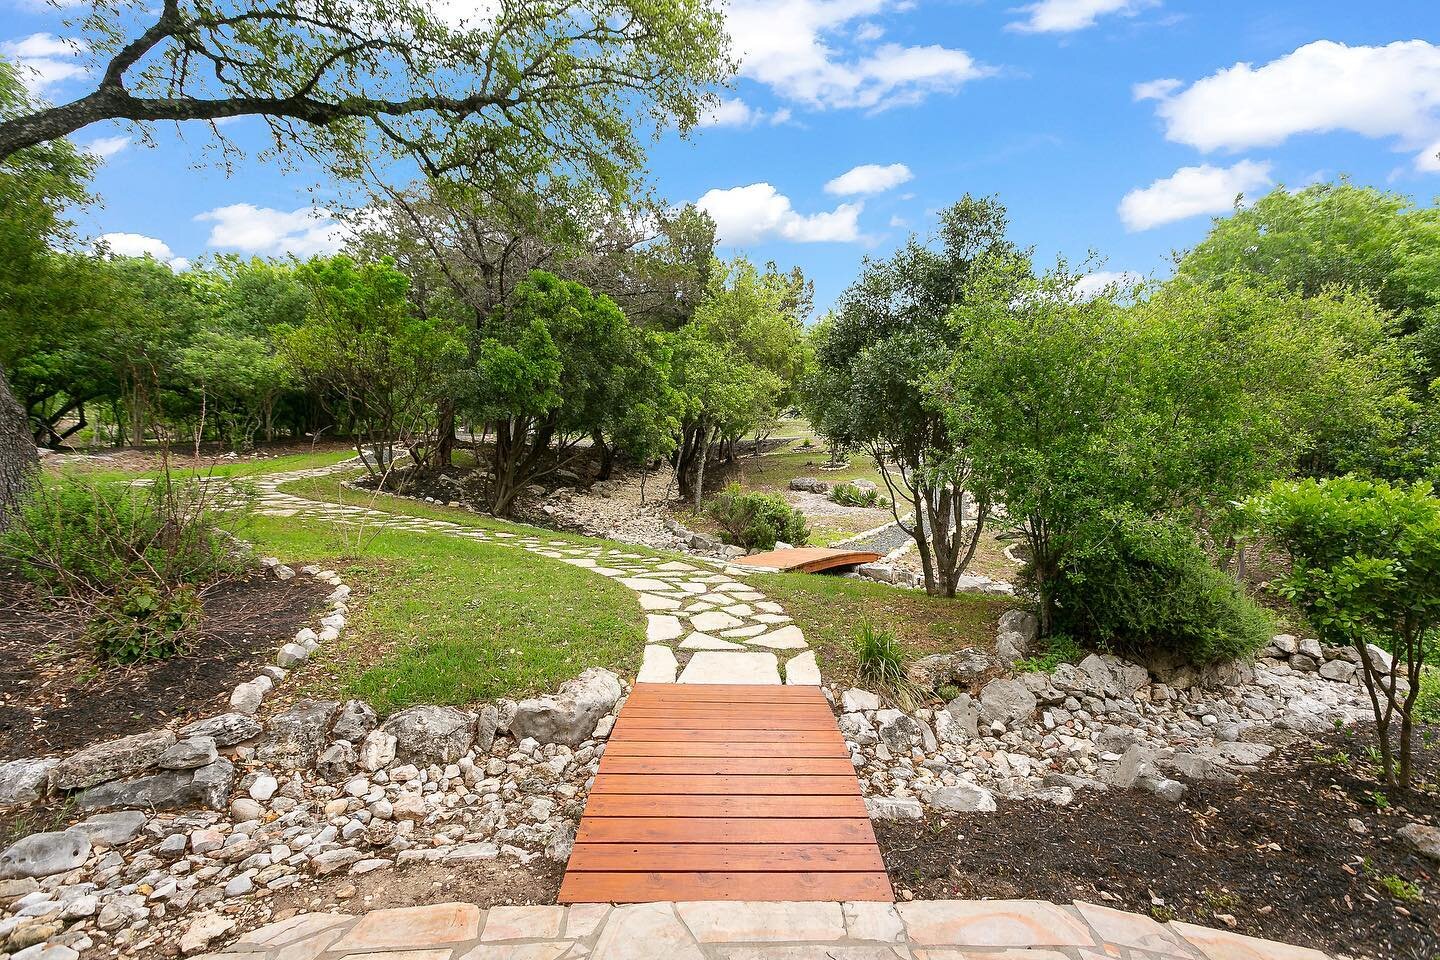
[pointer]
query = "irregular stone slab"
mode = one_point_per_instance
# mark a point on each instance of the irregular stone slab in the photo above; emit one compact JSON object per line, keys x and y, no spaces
{"x":659,"y":665}
{"x":728,"y":921}
{"x":650,"y":601}
{"x":569,"y":716}
{"x":1130,"y":929}
{"x":113,"y":829}
{"x":722,"y":667}
{"x":208,"y":787}
{"x":412,"y":927}
{"x":284,"y":932}
{"x":425,"y":735}
{"x":188,"y":754}
{"x":754,"y":631}
{"x":111,"y":760}
{"x":802,"y":670}
{"x":522,"y":923}
{"x":660,"y":627}
{"x":1225,"y":945}
{"x":295,"y":737}
{"x":868,"y":920}
{"x":786,"y":638}
{"x":25,"y":781}
{"x":703,"y":641}
{"x":644,"y":931}
{"x":712,"y":620}
{"x":45,"y":854}
{"x":964,"y":797}
{"x":992,"y":923}
{"x":644,"y":584}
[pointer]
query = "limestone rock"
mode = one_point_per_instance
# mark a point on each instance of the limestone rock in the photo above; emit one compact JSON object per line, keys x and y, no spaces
{"x":45,"y":854}
{"x":377,"y":751}
{"x":207,"y":786}
{"x":337,"y":761}
{"x":857,"y":699}
{"x":295,"y":737}
{"x":568,"y":717}
{"x":809,"y":485}
{"x":1006,"y":700}
{"x":964,"y":797}
{"x":1424,"y":838}
{"x":426,"y":735}
{"x":894,"y":808}
{"x":24,"y":781}
{"x":189,"y":754}
{"x":1022,"y":622}
{"x":939,"y":669}
{"x":111,"y":760}
{"x":356,"y":719}
{"x":113,"y":829}
{"x":226,"y":730}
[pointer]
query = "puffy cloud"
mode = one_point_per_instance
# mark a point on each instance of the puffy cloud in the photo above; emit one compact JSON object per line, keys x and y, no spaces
{"x":792,"y":47}
{"x":869,"y":178}
{"x":106,"y":147}
{"x":304,"y":232}
{"x":759,"y":212}
{"x":1190,"y":192}
{"x":1156,"y":89}
{"x":1066,"y":16}
{"x":45,"y":60}
{"x":1390,"y":92}
{"x":139,"y":245}
{"x":738,"y":113}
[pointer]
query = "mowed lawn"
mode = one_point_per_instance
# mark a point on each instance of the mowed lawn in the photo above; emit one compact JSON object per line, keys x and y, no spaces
{"x":450,"y":621}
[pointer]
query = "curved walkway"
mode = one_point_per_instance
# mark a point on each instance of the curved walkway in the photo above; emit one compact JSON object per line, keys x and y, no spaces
{"x":705,"y":624}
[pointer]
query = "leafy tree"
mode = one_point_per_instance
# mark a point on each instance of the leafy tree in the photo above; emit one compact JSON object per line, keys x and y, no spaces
{"x":1365,"y":571}
{"x":348,"y":80}
{"x":239,"y":379}
{"x":875,"y":358}
{"x":372,"y":359}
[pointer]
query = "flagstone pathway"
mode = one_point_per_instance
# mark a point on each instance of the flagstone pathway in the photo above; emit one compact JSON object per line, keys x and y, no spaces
{"x":705,"y":624}
{"x":706,"y":930}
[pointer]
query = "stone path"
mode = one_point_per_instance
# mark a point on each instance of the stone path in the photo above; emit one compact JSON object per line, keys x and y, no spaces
{"x":706,"y":930}
{"x":705,"y":624}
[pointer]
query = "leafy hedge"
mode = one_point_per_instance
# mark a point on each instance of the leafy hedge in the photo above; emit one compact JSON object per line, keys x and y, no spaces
{"x":756,"y":521}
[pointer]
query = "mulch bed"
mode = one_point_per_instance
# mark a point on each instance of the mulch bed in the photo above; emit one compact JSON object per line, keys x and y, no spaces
{"x":55,"y":697}
{"x":1274,"y":855}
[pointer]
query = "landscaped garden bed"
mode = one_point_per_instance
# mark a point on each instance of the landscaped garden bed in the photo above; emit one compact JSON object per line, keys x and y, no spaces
{"x":1305,"y":850}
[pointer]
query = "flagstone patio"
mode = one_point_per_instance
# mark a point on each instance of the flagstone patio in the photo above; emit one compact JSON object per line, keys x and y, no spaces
{"x":931,"y":930}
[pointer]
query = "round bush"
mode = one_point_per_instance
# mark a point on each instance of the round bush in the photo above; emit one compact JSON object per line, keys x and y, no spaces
{"x":757,"y":521}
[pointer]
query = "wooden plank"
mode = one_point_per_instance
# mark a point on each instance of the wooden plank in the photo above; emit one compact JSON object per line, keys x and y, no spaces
{"x":654,"y":805}
{"x":733,"y":786}
{"x":734,"y":723}
{"x":662,"y":734}
{"x":723,"y":691}
{"x":834,"y":749}
{"x":727,"y":857}
{"x":640,"y":887}
{"x":729,"y":766}
{"x":726,"y":710}
{"x":722,"y":830}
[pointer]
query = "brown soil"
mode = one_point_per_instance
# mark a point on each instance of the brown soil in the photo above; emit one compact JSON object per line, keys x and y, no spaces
{"x":151,"y":457}
{"x":486,"y":883}
{"x":55,"y":696}
{"x":1273,"y":854}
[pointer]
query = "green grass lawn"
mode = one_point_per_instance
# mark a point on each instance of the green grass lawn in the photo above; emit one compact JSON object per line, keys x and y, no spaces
{"x":832,"y":609}
{"x":450,"y":621}
{"x":773,"y":472}
{"x":180,"y":466}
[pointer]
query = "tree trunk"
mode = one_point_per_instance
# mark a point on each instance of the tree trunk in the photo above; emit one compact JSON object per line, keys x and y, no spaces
{"x":607,"y":456}
{"x":19,"y":463}
{"x":445,"y":445}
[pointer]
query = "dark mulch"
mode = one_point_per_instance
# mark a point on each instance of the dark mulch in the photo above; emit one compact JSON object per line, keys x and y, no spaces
{"x":56,"y":697}
{"x":1273,"y":854}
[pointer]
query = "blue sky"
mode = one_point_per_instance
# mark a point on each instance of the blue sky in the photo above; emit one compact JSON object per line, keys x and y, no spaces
{"x":1118,"y":126}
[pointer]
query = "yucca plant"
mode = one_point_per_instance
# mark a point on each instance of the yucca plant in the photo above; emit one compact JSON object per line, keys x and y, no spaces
{"x":881,"y":665}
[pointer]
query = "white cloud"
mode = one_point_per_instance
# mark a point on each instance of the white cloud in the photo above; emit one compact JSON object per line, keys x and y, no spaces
{"x":45,"y":60}
{"x":898,"y":221}
{"x":738,"y":113}
{"x":1190,"y":192}
{"x":139,"y":245}
{"x":1429,"y":159}
{"x":1381,"y":92}
{"x":869,"y":178}
{"x":759,"y":212}
{"x":792,"y":46}
{"x":1156,"y":89}
{"x":106,"y":147}
{"x":1066,"y":16}
{"x":1093,"y":284}
{"x":305,"y":232}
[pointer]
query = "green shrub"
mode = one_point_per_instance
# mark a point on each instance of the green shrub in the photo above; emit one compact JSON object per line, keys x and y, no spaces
{"x":1059,"y":649}
{"x":849,"y":495}
{"x":757,"y":520}
{"x":80,"y":537}
{"x":1427,"y":701}
{"x":145,"y":622}
{"x":880,"y":665}
{"x":1138,"y":587}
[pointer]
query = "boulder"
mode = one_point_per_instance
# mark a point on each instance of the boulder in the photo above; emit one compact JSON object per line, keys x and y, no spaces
{"x":1311,"y":648}
{"x":295,"y":737}
{"x":881,"y":572}
{"x":487,"y":723}
{"x":857,"y":699}
{"x":1022,"y":622}
{"x":188,"y":754}
{"x":1423,"y":837}
{"x":377,"y":750}
{"x":857,"y":728}
{"x":113,"y":829}
{"x":1285,"y":643}
{"x":207,"y":787}
{"x":292,"y":655}
{"x":964,"y":797}
{"x":965,"y":715}
{"x":901,"y":732}
{"x":45,"y":854}
{"x":1010,"y":646}
{"x":939,"y":669}
{"x":24,"y":781}
{"x":1006,"y":700}
{"x":809,"y":485}
{"x":337,"y":761}
{"x":893,"y":808}
{"x":247,"y":697}
{"x":355,"y":721}
{"x":425,"y":735}
{"x":111,"y":760}
{"x":568,"y":717}
{"x":1342,"y":671}
{"x":226,"y":730}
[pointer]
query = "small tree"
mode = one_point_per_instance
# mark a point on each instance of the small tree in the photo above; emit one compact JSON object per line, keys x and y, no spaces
{"x":1365,"y":571}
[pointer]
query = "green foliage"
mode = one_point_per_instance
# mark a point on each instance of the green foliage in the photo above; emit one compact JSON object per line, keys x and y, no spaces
{"x":145,"y":622}
{"x":1059,"y":648}
{"x":880,"y":664}
{"x":757,"y":520}
{"x":1141,"y":587}
{"x":1427,"y":704}
{"x":1365,"y":569}
{"x":1399,"y":888}
{"x":849,"y":495}
{"x":81,"y":538}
